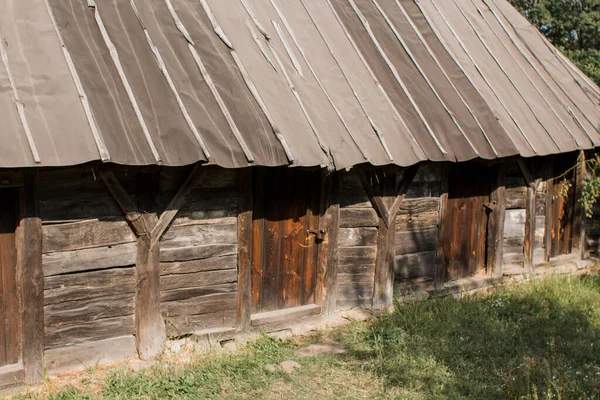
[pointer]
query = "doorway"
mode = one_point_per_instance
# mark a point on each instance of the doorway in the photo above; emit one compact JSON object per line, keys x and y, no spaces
{"x":284,"y":238}
{"x":9,"y":304}
{"x":464,"y":228}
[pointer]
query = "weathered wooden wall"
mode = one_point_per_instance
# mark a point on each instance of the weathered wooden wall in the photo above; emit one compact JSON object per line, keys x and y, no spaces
{"x":198,"y":257}
{"x":417,"y":231}
{"x":88,"y":260}
{"x":357,"y":244}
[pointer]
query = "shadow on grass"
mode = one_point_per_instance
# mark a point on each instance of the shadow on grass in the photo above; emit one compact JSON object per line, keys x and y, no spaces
{"x":538,"y":340}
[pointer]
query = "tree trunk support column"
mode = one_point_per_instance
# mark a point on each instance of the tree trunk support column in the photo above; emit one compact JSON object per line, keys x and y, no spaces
{"x":386,"y":200}
{"x":149,"y":324}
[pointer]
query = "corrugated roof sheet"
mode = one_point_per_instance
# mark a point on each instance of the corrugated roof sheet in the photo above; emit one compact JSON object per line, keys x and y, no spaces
{"x":274,"y":82}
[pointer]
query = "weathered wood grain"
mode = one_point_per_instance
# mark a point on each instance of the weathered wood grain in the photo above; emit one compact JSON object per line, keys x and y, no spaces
{"x":516,"y":197}
{"x":358,"y":217}
{"x":406,"y":222}
{"x":244,"y":240}
{"x":419,"y":206}
{"x":344,"y":278}
{"x":197,"y":252}
{"x":186,"y":236}
{"x":208,"y":304}
{"x":194,"y":266}
{"x":198,"y":279}
{"x":188,"y":293}
{"x":88,"y":285}
{"x":350,"y":237}
{"x":86,"y":310}
{"x":415,"y":265}
{"x":496,"y":221}
{"x":89,"y":259}
{"x":184,"y":324}
{"x":514,"y":223}
{"x":69,"y":335}
{"x":416,"y":241}
{"x":356,"y":255}
{"x":85,"y":234}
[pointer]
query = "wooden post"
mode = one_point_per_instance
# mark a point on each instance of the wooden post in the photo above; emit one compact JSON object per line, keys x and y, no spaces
{"x":149,"y":324}
{"x":440,"y":270}
{"x":495,"y":231}
{"x":32,"y":281}
{"x":549,"y":216}
{"x":328,"y":249}
{"x":244,"y":287}
{"x":387,"y":203}
{"x":530,"y":214}
{"x":579,"y":223}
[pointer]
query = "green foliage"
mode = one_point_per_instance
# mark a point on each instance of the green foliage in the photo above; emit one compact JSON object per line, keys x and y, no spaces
{"x":571,"y":25}
{"x":591,"y":187}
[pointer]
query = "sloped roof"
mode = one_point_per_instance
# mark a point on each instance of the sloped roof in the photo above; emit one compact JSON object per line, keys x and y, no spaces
{"x":277,"y":82}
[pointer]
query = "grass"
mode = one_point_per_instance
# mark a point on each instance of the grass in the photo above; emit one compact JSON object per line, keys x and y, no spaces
{"x":537,"y":340}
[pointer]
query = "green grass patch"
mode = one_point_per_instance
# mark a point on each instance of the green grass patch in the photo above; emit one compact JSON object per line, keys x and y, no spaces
{"x":537,"y":340}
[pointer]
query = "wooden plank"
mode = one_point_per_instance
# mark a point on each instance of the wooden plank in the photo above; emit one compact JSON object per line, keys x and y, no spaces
{"x":244,"y":240}
{"x":197,"y":252}
{"x":32,"y":280}
{"x":286,"y":314}
{"x":149,"y":325}
{"x":88,"y":285}
{"x":530,"y":224}
{"x":419,"y":206}
{"x":516,"y":197}
{"x":344,"y":278}
{"x":359,"y":268}
{"x":166,"y":218}
{"x":313,"y":242}
{"x":356,"y":255}
{"x":328,"y":250}
{"x":199,"y":279}
{"x":549,"y":212}
{"x":11,"y":375}
{"x":64,"y":336}
{"x":400,"y":195}
{"x":355,"y":290}
{"x":416,"y":241}
{"x":193,"y":235}
{"x":89,"y":259}
{"x":187,"y":293}
{"x":579,"y":220}
{"x":258,"y":239}
{"x":194,"y":266}
{"x":90,"y":354}
{"x":381,"y":202}
{"x":85,"y":234}
{"x":86,"y":310}
{"x":358,"y":217}
{"x":349,"y":237}
{"x":514,"y":223}
{"x":185,"y":324}
{"x":79,"y":204}
{"x":415,"y":265}
{"x":495,"y":229}
{"x":208,"y":304}
{"x":408,"y":222}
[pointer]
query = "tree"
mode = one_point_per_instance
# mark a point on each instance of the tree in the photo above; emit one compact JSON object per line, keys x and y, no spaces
{"x":571,"y":25}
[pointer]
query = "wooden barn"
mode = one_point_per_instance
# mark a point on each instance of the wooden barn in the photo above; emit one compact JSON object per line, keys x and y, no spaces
{"x":211,"y":167}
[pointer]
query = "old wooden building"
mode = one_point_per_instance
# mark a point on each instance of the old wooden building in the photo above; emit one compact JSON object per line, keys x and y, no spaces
{"x":209,"y":167}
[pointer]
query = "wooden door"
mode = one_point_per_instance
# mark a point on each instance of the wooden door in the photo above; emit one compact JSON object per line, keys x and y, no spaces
{"x":284,"y":240}
{"x":464,"y":228}
{"x":563,"y":205}
{"x":9,"y":305}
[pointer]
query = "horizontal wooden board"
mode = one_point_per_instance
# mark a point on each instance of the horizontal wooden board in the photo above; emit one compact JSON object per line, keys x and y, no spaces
{"x":416,"y":241}
{"x":513,"y":257}
{"x":349,"y":256}
{"x":358,"y":268}
{"x":191,"y":235}
{"x":358,"y":217}
{"x":514,"y":223}
{"x":344,"y":278}
{"x":211,"y":199}
{"x":416,"y":265}
{"x":88,"y":285}
{"x":293,"y":313}
{"x":208,"y":304}
{"x":85,"y":310}
{"x":419,"y":206}
{"x":422,"y":189}
{"x":197,"y":252}
{"x":185,"y":324}
{"x":516,"y":197}
{"x":85,"y":234}
{"x":198,"y":279}
{"x":188,"y":293}
{"x":406,"y":222}
{"x":63,"y":336}
{"x":89,"y":259}
{"x":81,"y":203}
{"x":89,"y":355}
{"x":190,"y":267}
{"x":201,"y":217}
{"x":354,"y":290}
{"x":349,"y":237}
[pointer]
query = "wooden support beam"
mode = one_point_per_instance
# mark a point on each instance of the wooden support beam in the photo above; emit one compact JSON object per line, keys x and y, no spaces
{"x":495,"y":230}
{"x":579,"y":222}
{"x":440,"y":271}
{"x":32,"y":280}
{"x":244,"y":286}
{"x":407,"y":179}
{"x":329,"y":222}
{"x":549,"y":213}
{"x":178,"y":201}
{"x":530,"y":206}
{"x":381,"y":201}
